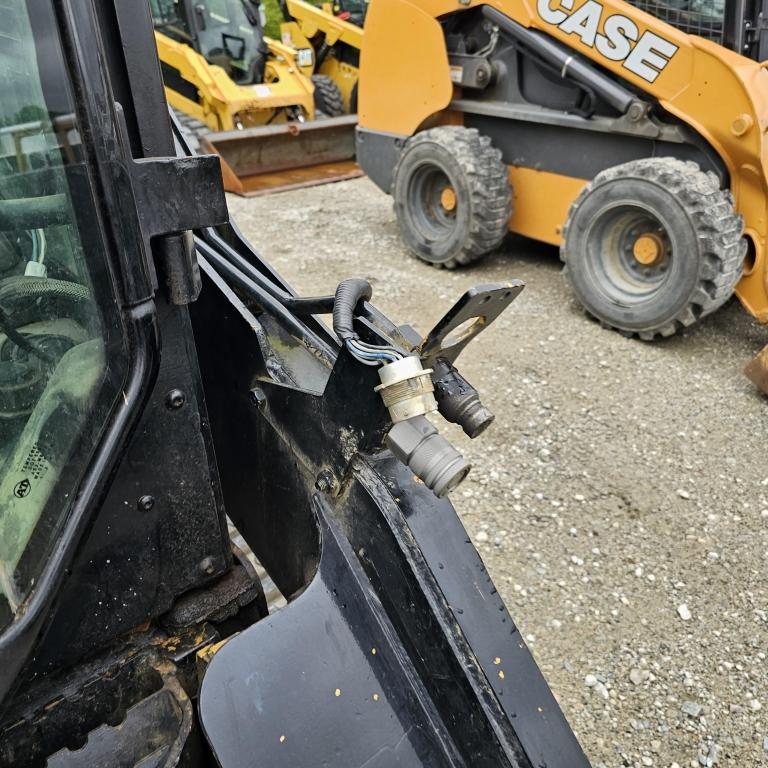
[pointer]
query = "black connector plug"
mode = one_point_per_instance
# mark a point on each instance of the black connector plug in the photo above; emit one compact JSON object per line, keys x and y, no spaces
{"x":458,"y":401}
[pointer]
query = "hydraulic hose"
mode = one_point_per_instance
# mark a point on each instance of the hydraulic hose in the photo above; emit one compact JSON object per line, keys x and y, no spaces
{"x":20,"y":341}
{"x":15,"y":288}
{"x":19,"y":305}
{"x":20,"y":295}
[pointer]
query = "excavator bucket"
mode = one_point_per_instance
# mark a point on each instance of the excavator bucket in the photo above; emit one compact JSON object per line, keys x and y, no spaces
{"x":757,"y":371}
{"x":275,"y":158}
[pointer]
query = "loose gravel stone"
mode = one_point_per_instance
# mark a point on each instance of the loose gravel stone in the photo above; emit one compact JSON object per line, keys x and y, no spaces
{"x":692,"y":709}
{"x":638,"y":676}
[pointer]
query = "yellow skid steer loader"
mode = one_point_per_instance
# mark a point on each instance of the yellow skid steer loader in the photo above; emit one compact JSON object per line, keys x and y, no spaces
{"x":333,"y":35}
{"x":632,"y":136}
{"x":208,"y":93}
{"x":256,"y":95}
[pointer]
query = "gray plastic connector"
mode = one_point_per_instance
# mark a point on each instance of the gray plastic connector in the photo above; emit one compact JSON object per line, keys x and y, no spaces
{"x":430,"y":457}
{"x":407,"y":389}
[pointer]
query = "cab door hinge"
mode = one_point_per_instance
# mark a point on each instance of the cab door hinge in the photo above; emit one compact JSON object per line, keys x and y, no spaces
{"x":172,"y":196}
{"x":175,"y":195}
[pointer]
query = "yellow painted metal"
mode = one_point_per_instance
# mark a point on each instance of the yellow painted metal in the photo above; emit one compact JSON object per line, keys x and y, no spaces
{"x":308,"y":21}
{"x":399,"y":91}
{"x":648,"y":249}
{"x":721,"y":95}
{"x":224,"y":105}
{"x":541,"y":203}
{"x":312,"y":20}
{"x":345,"y":76}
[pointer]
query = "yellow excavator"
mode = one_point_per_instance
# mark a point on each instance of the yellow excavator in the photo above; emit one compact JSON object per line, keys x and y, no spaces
{"x":249,"y":98}
{"x":632,"y":136}
{"x":333,"y":35}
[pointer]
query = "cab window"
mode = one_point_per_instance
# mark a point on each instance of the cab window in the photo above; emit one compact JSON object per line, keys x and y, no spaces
{"x":62,"y":359}
{"x":704,"y":18}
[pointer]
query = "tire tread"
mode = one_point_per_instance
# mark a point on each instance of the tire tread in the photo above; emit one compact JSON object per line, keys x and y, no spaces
{"x":719,"y":229}
{"x":490,"y":190}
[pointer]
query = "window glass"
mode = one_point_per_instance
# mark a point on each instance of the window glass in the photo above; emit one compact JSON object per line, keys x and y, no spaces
{"x":166,"y":12}
{"x":58,"y":323}
{"x":228,"y":37}
{"x":704,"y":18}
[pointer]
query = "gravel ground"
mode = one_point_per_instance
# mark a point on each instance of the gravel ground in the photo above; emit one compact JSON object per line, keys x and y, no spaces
{"x":621,"y":500}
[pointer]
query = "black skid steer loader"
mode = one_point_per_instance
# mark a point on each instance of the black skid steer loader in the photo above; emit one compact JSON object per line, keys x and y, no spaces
{"x":157,"y":380}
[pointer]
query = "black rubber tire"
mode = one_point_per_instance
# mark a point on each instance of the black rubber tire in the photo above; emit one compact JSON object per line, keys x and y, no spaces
{"x":466,"y":161}
{"x":699,"y":235}
{"x":328,"y":99}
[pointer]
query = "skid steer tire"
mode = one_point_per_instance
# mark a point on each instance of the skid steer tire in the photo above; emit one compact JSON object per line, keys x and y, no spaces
{"x":652,"y":246}
{"x":452,"y":195}
{"x":328,"y":99}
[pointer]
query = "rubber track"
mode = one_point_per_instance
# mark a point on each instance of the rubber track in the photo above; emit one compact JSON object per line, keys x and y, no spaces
{"x":193,"y":128}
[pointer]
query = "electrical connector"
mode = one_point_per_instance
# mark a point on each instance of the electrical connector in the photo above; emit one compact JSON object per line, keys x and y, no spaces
{"x":430,"y":457}
{"x":407,"y":389}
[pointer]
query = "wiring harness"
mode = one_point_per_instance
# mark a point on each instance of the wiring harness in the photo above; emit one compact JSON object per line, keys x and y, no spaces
{"x":348,"y":295}
{"x":407,"y":390}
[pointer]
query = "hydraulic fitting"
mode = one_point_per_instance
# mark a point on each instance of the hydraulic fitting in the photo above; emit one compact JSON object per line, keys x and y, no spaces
{"x":459,"y":402}
{"x":430,"y":457}
{"x":407,"y":389}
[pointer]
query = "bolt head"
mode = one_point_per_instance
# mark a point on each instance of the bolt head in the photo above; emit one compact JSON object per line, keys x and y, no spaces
{"x":146,"y":503}
{"x":175,"y":399}
{"x":326,"y":482}
{"x":207,"y":566}
{"x":258,"y":397}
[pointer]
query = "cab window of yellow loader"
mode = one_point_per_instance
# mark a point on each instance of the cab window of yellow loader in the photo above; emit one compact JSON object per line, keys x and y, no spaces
{"x":165,"y":12}
{"x":169,"y":17}
{"x":56,"y":389}
{"x":229,"y":36}
{"x":705,"y":18}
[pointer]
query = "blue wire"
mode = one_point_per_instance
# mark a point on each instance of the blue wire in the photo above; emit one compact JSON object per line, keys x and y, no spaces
{"x":371,"y":354}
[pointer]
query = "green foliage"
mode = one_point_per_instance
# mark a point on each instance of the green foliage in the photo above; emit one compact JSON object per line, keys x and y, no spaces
{"x":275,"y":17}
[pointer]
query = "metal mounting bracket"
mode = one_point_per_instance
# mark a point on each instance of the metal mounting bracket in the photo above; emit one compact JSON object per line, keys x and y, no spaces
{"x":472,"y":314}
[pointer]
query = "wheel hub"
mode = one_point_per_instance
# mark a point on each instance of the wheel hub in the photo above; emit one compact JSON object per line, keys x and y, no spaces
{"x":648,"y":249}
{"x":448,"y":199}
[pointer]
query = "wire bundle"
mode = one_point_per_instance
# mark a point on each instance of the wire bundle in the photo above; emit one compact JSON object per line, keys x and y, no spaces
{"x":348,"y":295}
{"x":368,"y":354}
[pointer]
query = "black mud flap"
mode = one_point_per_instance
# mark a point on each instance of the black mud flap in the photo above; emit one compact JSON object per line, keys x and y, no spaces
{"x":400,"y":653}
{"x":324,"y":682}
